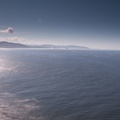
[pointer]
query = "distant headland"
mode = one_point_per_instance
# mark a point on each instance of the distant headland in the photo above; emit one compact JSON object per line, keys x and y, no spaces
{"x":4,"y":44}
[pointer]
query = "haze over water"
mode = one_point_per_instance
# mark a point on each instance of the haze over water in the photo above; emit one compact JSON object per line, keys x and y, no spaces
{"x":59,"y":85}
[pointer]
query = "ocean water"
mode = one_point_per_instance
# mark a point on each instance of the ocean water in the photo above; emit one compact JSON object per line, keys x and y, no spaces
{"x":59,"y":85}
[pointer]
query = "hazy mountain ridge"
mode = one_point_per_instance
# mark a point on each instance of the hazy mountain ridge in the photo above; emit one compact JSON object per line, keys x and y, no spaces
{"x":4,"y":44}
{"x":60,"y":46}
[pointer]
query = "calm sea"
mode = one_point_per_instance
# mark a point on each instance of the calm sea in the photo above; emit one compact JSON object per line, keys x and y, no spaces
{"x":59,"y":85}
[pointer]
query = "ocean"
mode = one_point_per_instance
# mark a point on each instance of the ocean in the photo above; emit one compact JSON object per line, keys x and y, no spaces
{"x":59,"y":84}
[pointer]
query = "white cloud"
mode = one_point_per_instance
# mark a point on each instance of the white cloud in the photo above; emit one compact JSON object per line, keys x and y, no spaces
{"x":12,"y":39}
{"x":8,"y":30}
{"x":22,"y":40}
{"x":15,"y":39}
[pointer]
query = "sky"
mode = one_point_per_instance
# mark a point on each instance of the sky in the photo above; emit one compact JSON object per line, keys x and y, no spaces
{"x":91,"y":23}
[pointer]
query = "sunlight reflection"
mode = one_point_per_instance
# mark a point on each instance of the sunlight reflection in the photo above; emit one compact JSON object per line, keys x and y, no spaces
{"x":5,"y":65}
{"x":13,"y":108}
{"x":8,"y":67}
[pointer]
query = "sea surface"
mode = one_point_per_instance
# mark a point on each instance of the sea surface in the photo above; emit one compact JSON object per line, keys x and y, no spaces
{"x":59,"y":84}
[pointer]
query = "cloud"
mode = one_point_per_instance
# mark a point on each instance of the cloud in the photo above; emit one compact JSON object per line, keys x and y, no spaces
{"x":15,"y":39}
{"x":8,"y":30}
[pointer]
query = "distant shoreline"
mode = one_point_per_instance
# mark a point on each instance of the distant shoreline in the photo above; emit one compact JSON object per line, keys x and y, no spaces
{"x":4,"y":44}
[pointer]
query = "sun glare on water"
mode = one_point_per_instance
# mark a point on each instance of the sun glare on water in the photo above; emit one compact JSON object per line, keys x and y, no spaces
{"x":5,"y":66}
{"x":12,"y":107}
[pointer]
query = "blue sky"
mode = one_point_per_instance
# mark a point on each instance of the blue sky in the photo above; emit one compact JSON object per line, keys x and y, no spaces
{"x":91,"y":23}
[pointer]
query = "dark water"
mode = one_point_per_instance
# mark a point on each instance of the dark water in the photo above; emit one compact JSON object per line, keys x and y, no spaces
{"x":59,"y":85}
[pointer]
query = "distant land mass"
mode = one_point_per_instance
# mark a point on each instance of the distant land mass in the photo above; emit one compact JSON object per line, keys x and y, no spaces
{"x":61,"y":46}
{"x":4,"y":44}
